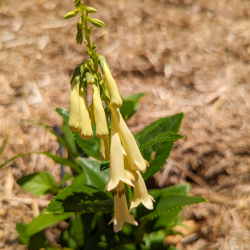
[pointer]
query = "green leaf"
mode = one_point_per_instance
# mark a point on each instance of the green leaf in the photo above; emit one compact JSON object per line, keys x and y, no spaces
{"x":93,"y":176}
{"x":65,"y":178}
{"x":175,"y":189}
{"x":157,"y":154}
{"x":45,"y":220}
{"x":69,"y":138}
{"x":34,"y":242}
{"x":130,"y":105}
{"x":171,"y":123}
{"x":4,"y":145}
{"x":166,"y":218}
{"x":128,"y":246}
{"x":163,"y":137}
{"x":21,"y":229}
{"x":161,"y":155}
{"x":80,"y":198}
{"x":90,"y":147}
{"x":56,"y":158}
{"x":38,"y":241}
{"x":170,"y":202}
{"x":39,"y":183}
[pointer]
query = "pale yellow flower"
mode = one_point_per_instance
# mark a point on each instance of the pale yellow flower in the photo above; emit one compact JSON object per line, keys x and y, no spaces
{"x":104,"y":149}
{"x":99,"y":113}
{"x":74,"y":107}
{"x":121,"y":210}
{"x":130,"y":174}
{"x":135,"y":159}
{"x":117,"y":172}
{"x":86,"y":132}
{"x":141,"y":195}
{"x":115,"y":98}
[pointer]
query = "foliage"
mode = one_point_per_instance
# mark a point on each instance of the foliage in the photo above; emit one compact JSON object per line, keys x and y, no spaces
{"x":84,"y":204}
{"x":88,"y":209}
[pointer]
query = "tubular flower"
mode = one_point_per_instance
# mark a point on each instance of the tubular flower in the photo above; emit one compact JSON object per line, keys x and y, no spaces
{"x":141,"y":195}
{"x":117,"y":172}
{"x":121,"y":210}
{"x":86,"y":132}
{"x":91,"y":114}
{"x":115,"y":98}
{"x":74,"y":107}
{"x":130,"y":174}
{"x":100,"y":117}
{"x":135,"y":159}
{"x":104,"y":149}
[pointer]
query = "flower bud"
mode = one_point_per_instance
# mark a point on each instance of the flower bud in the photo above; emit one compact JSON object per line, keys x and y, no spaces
{"x":91,"y":114}
{"x":100,"y":118}
{"x":115,"y":98}
{"x":70,"y":14}
{"x":90,"y":78}
{"x":90,"y":9}
{"x":91,"y":63}
{"x":104,"y":149}
{"x":96,"y":22}
{"x":74,"y":106}
{"x":86,"y":132}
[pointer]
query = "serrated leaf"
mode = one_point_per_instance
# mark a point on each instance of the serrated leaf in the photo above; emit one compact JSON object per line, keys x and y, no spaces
{"x":163,"y":137}
{"x":39,"y":183}
{"x":80,"y":198}
{"x":90,"y":147}
{"x":175,"y":189}
{"x":166,"y":218}
{"x":130,"y":105}
{"x":161,"y":155}
{"x":45,"y":220}
{"x":171,"y":123}
{"x":171,"y":202}
{"x":157,"y":154}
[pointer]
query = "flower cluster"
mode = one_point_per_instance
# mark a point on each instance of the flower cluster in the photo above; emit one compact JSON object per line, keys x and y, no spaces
{"x":126,"y":161}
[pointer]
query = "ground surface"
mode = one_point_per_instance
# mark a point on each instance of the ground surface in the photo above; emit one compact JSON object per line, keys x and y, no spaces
{"x":187,"y":55}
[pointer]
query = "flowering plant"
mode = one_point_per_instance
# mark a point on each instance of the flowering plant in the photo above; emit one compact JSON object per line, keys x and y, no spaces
{"x":110,"y":188}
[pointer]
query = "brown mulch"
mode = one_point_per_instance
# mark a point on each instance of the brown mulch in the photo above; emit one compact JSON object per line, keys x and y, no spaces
{"x":189,"y":56}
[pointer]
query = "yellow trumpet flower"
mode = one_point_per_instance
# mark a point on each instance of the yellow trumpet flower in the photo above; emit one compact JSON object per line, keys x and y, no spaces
{"x":130,"y":174}
{"x":104,"y":149}
{"x":117,"y":172}
{"x":121,"y":210}
{"x":135,"y":159}
{"x":86,"y":132}
{"x":115,"y":98}
{"x":100,"y":117}
{"x":141,"y":195}
{"x":74,"y":107}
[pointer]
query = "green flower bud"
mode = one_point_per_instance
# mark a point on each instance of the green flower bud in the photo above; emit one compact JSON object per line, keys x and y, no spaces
{"x":90,"y":9}
{"x":96,"y":22}
{"x":90,"y":78}
{"x":70,"y":14}
{"x":91,"y":63}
